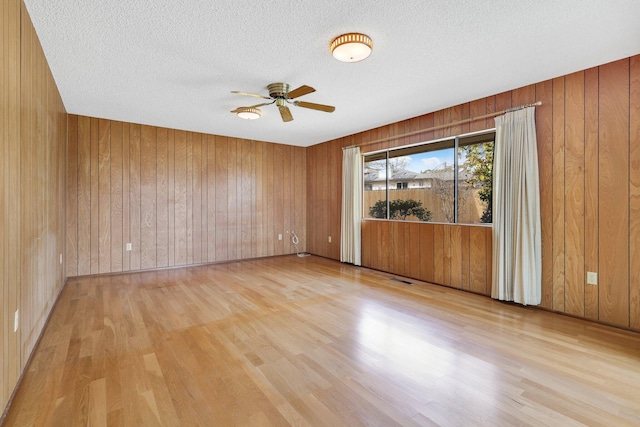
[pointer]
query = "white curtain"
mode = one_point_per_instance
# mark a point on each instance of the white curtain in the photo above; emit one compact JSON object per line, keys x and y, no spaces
{"x":351,"y":205}
{"x":517,"y":259}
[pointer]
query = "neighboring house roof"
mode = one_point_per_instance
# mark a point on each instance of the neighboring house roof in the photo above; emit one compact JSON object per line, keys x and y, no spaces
{"x":405,"y":175}
{"x":370,"y":176}
{"x":401,"y":174}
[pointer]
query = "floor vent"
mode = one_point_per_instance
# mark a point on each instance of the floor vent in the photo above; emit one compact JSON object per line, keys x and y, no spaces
{"x":406,"y":282}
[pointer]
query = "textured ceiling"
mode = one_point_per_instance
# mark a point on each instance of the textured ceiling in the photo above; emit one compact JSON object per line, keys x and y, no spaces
{"x":174,"y":63}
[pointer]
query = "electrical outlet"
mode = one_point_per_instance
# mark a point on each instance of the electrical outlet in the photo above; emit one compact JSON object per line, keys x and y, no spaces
{"x":128,"y":246}
{"x":592,"y":278}
{"x":16,"y":320}
{"x":329,"y":239}
{"x":279,"y":236}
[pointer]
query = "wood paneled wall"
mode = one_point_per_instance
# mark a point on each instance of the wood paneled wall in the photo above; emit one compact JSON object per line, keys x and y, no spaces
{"x":179,"y":198}
{"x":32,"y":191}
{"x":448,"y":254}
{"x":588,"y":130}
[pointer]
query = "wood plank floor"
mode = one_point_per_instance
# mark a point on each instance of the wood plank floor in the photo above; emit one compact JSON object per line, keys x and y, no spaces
{"x":308,"y":341}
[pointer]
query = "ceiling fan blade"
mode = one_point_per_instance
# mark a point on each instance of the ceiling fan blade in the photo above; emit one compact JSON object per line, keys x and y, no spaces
{"x":302,"y":90}
{"x":313,"y":106}
{"x":260,"y":105}
{"x":250,"y":94}
{"x":252,"y":106}
{"x":285,"y":113}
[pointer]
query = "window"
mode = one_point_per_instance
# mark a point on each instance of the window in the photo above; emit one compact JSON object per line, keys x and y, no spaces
{"x":441,"y":181}
{"x":375,"y":185}
{"x":475,"y":179}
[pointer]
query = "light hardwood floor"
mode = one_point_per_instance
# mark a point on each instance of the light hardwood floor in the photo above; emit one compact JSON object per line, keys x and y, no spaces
{"x":309,"y":341}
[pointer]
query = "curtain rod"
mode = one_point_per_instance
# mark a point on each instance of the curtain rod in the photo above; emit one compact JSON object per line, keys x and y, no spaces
{"x":459,"y":122}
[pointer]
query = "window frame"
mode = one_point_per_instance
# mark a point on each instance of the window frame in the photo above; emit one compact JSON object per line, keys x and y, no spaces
{"x":384,"y":154}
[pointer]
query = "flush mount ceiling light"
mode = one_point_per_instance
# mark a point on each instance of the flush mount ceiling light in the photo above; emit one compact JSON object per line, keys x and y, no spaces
{"x":351,"y":47}
{"x":248,"y":113}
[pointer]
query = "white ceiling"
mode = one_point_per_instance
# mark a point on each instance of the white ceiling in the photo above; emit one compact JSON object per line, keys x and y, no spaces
{"x":174,"y":63}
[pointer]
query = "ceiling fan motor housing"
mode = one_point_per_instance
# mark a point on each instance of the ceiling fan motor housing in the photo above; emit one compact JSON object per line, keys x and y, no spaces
{"x":278,"y":90}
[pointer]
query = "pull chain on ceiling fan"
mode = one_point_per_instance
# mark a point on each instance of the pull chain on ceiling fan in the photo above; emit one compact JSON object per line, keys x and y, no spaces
{"x":280,"y":95}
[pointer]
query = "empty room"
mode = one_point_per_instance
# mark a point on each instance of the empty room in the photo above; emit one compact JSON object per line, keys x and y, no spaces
{"x":329,"y":213}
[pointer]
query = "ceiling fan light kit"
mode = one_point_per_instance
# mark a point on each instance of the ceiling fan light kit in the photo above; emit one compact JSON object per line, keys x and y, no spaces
{"x":351,"y":47}
{"x":248,"y":113}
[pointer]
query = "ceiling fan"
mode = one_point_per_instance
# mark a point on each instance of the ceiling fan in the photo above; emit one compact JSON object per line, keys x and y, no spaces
{"x":280,"y":95}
